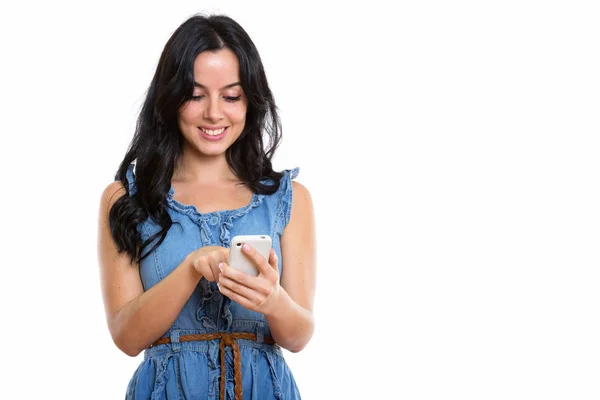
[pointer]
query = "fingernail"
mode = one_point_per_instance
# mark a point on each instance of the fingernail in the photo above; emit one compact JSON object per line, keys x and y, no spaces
{"x":221,"y":267}
{"x":246,"y":247}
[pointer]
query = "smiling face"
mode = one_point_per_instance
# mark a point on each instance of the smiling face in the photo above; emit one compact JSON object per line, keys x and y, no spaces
{"x":216,"y":114}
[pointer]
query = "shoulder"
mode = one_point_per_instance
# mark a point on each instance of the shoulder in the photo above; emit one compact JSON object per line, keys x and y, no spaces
{"x":300,"y":193}
{"x":291,"y":195}
{"x":302,"y":204}
{"x":111,"y":193}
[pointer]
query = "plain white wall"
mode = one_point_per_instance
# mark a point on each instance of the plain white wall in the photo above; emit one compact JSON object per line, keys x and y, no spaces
{"x":451,"y":149}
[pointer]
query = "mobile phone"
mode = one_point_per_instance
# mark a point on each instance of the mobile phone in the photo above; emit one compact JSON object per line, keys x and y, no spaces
{"x":238,"y":260}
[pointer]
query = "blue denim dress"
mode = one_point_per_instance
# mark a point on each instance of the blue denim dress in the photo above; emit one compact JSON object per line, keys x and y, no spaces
{"x":192,"y":370}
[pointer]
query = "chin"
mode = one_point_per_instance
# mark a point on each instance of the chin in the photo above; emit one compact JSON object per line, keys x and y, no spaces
{"x":211,"y":151}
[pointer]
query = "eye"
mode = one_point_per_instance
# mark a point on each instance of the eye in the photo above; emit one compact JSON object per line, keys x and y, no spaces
{"x":198,"y":97}
{"x":232,"y":99}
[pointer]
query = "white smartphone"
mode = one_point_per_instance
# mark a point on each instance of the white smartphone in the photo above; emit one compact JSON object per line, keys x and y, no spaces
{"x":238,"y":260}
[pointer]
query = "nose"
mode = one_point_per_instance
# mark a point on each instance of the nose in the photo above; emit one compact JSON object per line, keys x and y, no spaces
{"x":213,"y":110}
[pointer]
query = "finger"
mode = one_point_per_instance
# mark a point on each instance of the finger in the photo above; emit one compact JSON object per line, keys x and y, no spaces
{"x":260,"y":286}
{"x":241,"y":278}
{"x":217,"y":259}
{"x":204,"y":269}
{"x":239,"y":289}
{"x":241,"y":300}
{"x":273,"y":260}
{"x":225,"y":254}
{"x":257,"y":259}
{"x":214,"y":267}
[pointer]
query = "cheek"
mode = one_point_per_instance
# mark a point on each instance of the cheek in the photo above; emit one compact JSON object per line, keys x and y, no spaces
{"x":239,"y":114}
{"x":188,"y":114}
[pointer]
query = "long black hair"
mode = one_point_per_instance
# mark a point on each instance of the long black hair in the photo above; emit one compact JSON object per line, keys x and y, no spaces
{"x":157,"y":144}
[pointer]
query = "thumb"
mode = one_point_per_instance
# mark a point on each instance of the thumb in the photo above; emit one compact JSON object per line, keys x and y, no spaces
{"x":273,"y":260}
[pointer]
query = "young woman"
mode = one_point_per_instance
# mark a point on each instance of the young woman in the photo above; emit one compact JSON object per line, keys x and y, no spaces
{"x":197,"y":173}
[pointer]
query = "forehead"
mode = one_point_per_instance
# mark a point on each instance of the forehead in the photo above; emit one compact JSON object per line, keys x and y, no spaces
{"x":215,"y":69}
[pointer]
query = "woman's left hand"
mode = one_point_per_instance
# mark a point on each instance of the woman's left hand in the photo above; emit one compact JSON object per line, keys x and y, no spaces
{"x":256,"y":293}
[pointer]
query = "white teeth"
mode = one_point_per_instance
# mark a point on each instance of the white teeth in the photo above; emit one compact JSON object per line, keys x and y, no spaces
{"x":213,"y":132}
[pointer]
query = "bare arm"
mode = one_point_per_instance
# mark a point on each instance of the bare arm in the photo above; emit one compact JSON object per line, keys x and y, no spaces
{"x":286,"y":301}
{"x":291,"y":322}
{"x":136,"y":318}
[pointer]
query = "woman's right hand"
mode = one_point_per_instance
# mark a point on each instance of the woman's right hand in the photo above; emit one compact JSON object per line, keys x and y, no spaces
{"x":206,"y":261}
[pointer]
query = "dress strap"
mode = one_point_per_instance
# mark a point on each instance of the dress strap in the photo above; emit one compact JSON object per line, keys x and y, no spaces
{"x":286,"y":197}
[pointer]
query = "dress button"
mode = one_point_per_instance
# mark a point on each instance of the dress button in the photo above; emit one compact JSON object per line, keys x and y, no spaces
{"x":214,"y":220}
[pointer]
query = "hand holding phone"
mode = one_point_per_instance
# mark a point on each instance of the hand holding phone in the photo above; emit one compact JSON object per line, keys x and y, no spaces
{"x":238,"y":260}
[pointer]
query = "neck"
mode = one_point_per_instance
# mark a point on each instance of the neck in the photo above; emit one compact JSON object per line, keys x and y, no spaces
{"x":203,"y":169}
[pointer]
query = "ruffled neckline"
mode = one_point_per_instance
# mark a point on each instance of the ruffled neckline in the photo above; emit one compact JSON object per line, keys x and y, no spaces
{"x":191,"y":209}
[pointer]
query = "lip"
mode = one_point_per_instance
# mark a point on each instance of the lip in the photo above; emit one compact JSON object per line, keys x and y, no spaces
{"x":213,"y":138}
{"x":213,"y":127}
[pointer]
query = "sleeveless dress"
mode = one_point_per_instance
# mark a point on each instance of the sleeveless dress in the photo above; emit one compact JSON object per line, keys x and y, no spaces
{"x":192,"y":369}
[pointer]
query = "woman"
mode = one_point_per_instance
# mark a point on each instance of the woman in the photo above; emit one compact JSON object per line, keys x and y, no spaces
{"x":196,"y":174}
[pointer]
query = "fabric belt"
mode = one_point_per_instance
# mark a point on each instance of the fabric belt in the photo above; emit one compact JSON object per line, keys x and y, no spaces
{"x":227,"y":339}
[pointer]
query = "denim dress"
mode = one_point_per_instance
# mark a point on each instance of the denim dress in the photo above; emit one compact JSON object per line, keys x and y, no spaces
{"x":192,"y":369}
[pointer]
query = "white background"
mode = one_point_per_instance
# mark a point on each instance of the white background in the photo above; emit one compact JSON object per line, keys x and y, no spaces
{"x":451,"y":149}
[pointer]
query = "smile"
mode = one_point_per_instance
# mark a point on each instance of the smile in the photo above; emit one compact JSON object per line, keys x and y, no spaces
{"x":213,"y":132}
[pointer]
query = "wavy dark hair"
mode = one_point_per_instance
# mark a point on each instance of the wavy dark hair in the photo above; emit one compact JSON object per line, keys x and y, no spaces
{"x":157,"y":144}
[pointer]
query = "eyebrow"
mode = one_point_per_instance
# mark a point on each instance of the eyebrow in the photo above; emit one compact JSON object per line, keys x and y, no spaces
{"x":196,"y":84}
